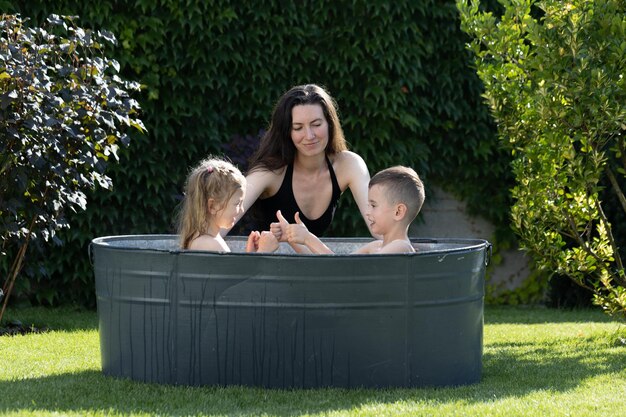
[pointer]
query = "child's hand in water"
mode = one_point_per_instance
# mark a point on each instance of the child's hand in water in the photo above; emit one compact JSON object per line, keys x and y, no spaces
{"x":261,"y":242}
{"x":297,"y":232}
{"x":267,"y":242}
{"x":279,"y":228}
{"x":253,"y":242}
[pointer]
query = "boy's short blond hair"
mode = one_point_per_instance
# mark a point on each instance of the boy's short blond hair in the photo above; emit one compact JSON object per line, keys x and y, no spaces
{"x":401,"y":185}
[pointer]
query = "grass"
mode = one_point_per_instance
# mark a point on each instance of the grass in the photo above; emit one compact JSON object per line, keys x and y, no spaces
{"x":536,"y":362}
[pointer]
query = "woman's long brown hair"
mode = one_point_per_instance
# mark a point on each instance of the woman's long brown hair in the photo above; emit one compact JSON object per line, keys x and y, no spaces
{"x":276,"y":149}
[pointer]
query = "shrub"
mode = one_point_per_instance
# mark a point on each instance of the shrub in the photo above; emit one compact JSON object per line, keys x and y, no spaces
{"x":63,"y":112}
{"x":554,"y":78}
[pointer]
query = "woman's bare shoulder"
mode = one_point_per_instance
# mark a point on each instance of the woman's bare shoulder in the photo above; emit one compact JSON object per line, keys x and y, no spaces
{"x":348,"y":157}
{"x":350,"y":169}
{"x":261,"y":170}
{"x":349,"y":162}
{"x":262,"y":182}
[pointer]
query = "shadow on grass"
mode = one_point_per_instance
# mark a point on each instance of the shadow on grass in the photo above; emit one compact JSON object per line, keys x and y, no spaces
{"x":512,"y":370}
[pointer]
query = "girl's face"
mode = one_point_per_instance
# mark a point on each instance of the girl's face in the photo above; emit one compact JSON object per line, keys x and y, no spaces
{"x":380,"y":213}
{"x":226,"y":216}
{"x":309,"y":129}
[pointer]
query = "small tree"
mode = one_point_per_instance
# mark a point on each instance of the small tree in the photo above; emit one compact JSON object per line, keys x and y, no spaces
{"x":63,"y":113}
{"x":554,"y":73}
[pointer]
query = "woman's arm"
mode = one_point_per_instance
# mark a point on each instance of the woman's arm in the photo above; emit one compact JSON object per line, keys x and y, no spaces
{"x":257,"y":182}
{"x":353,"y":171}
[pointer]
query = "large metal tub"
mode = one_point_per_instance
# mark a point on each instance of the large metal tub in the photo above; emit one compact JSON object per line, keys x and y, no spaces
{"x":287,"y":320}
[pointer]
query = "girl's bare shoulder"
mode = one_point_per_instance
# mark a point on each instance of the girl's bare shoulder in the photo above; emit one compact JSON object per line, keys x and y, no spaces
{"x":209,"y":243}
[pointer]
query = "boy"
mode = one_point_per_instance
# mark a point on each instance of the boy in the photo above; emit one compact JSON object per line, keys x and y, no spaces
{"x":395,"y":197}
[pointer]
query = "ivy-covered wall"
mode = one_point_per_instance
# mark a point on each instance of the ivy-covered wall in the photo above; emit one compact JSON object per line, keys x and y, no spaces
{"x":212,"y":72}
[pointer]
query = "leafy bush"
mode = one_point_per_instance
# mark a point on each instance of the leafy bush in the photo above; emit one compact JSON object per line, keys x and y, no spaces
{"x":554,"y":77}
{"x":63,"y":112}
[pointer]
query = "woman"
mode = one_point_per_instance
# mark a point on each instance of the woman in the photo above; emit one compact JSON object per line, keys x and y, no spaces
{"x":303,"y":164}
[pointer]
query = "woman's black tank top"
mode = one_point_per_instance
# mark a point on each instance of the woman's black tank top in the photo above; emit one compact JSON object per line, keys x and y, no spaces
{"x":284,"y":200}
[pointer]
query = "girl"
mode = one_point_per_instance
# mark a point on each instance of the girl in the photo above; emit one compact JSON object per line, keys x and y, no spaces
{"x":214,"y":195}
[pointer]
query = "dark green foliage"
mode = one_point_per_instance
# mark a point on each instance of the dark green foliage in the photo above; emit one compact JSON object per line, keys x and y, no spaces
{"x":554,"y":77}
{"x":212,"y":71}
{"x":63,"y":115}
{"x":60,"y":109}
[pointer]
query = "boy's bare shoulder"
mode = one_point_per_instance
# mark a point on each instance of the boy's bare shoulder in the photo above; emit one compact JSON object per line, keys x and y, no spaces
{"x":371,"y":247}
{"x":395,"y":246}
{"x":398,"y":246}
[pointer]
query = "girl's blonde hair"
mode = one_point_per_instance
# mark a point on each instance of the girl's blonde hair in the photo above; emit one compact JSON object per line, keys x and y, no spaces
{"x":213,"y":178}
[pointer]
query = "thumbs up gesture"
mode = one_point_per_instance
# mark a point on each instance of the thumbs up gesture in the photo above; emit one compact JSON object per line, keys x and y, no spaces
{"x":297,"y":232}
{"x":279,"y":229}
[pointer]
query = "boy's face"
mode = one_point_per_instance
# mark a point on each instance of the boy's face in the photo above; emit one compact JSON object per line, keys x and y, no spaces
{"x":380,"y":212}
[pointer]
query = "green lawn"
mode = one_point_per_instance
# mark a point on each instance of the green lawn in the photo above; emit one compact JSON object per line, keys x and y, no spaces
{"x":537,"y":362}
